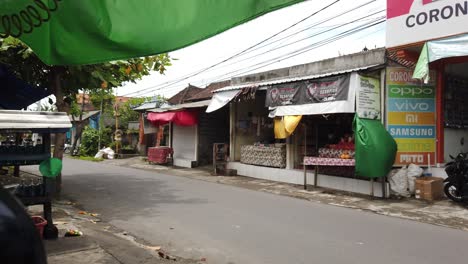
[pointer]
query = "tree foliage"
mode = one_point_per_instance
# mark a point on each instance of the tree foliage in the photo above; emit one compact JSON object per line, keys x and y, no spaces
{"x":66,"y":81}
{"x":27,"y":66}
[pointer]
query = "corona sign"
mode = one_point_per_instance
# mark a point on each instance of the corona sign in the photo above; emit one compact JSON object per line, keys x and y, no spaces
{"x":414,"y":21}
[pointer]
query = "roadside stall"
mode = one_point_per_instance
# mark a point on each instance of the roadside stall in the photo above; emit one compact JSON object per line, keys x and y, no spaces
{"x":341,"y":117}
{"x":25,"y":140}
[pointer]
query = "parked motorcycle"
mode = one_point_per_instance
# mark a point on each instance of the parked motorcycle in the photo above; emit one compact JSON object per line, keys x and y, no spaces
{"x":68,"y":148}
{"x":456,"y":184}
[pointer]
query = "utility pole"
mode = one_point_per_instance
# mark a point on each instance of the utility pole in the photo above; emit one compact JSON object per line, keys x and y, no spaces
{"x":100,"y":121}
{"x":118,"y":133}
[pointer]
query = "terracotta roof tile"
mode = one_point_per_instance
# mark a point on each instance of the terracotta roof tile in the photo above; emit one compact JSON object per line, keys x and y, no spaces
{"x":183,"y":95}
{"x":207,"y":92}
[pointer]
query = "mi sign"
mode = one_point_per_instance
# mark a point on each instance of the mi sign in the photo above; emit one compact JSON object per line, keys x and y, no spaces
{"x":413,"y":21}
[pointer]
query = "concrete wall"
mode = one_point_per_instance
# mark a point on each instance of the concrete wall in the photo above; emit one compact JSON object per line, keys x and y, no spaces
{"x":297,"y":177}
{"x":346,"y":62}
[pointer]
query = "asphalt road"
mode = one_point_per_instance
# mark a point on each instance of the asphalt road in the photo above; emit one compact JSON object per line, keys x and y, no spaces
{"x":227,"y":224}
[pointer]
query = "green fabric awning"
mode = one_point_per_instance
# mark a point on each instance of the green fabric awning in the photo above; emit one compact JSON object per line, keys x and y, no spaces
{"x":66,"y":32}
{"x":439,"y":49}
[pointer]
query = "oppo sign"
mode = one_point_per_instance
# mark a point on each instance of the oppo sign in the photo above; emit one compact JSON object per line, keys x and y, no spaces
{"x":414,"y":21}
{"x":412,"y":91}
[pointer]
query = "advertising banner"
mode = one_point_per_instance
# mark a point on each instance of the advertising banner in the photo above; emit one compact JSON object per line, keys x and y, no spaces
{"x":328,"y":89}
{"x":411,"y":118}
{"x":368,"y":98}
{"x":413,"y":21}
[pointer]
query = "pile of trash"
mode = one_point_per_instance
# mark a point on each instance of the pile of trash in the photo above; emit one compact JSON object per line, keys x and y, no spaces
{"x":402,"y":181}
{"x":105,"y":153}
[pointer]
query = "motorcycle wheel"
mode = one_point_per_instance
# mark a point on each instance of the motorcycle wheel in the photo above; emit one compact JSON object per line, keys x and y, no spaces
{"x":451,"y":191}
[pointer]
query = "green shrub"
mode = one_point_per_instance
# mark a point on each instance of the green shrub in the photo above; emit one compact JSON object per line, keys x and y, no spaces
{"x":89,"y":141}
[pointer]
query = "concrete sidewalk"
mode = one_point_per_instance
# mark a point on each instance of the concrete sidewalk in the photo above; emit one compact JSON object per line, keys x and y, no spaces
{"x":443,"y":212}
{"x":101,"y":243}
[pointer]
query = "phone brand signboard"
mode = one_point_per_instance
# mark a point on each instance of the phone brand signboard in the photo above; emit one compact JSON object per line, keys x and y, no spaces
{"x":411,"y":117}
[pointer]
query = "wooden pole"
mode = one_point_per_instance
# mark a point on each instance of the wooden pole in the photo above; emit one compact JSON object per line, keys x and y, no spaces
{"x":305,"y":155}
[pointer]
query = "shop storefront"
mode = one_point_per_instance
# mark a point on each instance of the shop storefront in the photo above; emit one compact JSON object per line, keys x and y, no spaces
{"x":427,"y":113}
{"x":280,"y":126}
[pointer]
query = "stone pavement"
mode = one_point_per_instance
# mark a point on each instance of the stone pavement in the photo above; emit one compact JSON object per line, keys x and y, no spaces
{"x":443,"y":212}
{"x":101,"y":243}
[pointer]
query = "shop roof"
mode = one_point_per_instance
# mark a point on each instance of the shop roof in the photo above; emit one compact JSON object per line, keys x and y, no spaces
{"x":181,"y":106}
{"x":85,"y":115}
{"x":36,"y":121}
{"x":393,"y":56}
{"x":155,"y":103}
{"x":184,"y":95}
{"x":207,"y":92}
{"x":294,"y":79}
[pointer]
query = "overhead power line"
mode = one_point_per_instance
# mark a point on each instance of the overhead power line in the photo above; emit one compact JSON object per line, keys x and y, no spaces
{"x":340,"y":35}
{"x":255,"y":45}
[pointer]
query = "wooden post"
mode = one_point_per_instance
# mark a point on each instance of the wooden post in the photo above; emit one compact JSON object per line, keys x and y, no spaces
{"x":316,"y":176}
{"x":305,"y":155}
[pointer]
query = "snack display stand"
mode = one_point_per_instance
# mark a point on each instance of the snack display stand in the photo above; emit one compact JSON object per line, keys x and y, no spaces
{"x":16,"y":149}
{"x":341,"y":154}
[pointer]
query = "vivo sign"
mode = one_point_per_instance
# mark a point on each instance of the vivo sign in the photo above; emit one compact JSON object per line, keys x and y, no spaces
{"x":412,"y":21}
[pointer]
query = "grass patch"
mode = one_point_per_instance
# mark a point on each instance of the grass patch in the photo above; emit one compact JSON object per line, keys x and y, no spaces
{"x":87,"y":158}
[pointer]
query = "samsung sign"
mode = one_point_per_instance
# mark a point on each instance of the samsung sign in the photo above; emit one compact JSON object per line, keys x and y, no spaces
{"x":413,"y":21}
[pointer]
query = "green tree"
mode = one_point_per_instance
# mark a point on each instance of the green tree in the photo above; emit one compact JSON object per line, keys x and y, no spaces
{"x":66,"y":81}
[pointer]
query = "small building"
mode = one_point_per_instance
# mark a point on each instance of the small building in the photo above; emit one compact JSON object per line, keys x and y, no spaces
{"x":192,"y":131}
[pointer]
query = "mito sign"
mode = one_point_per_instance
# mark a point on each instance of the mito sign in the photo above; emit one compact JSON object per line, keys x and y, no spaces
{"x":413,"y":21}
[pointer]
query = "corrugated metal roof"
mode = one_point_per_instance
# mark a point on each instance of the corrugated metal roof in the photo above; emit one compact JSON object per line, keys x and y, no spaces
{"x":85,"y":115}
{"x":149,"y":105}
{"x":29,"y":120}
{"x":293,"y":79}
{"x":182,"y":106}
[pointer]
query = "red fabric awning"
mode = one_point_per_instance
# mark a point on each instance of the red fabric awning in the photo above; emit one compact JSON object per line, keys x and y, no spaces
{"x":180,"y":118}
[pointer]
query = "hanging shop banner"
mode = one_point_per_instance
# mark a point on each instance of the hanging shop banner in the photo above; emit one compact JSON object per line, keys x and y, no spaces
{"x":411,"y":117}
{"x":413,"y":21}
{"x":368,"y":98}
{"x":328,"y":89}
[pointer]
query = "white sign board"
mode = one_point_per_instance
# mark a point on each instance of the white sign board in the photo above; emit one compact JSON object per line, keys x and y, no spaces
{"x":368,"y":98}
{"x":413,"y":21}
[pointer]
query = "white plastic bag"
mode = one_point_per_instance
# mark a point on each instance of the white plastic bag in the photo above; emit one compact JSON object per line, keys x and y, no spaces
{"x":413,"y":172}
{"x":399,"y":182}
{"x":108,"y":151}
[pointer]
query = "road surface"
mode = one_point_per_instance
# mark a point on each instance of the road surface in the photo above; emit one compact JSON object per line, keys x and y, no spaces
{"x":227,"y":224}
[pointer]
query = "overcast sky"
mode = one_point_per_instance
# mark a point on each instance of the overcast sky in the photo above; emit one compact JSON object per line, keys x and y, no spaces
{"x":302,"y":38}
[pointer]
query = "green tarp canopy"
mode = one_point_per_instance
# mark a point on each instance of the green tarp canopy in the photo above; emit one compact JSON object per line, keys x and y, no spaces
{"x":375,"y":148}
{"x":439,"y":49}
{"x":66,"y":32}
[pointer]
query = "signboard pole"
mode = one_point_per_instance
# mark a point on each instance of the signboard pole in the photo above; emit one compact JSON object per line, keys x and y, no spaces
{"x":440,"y":115}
